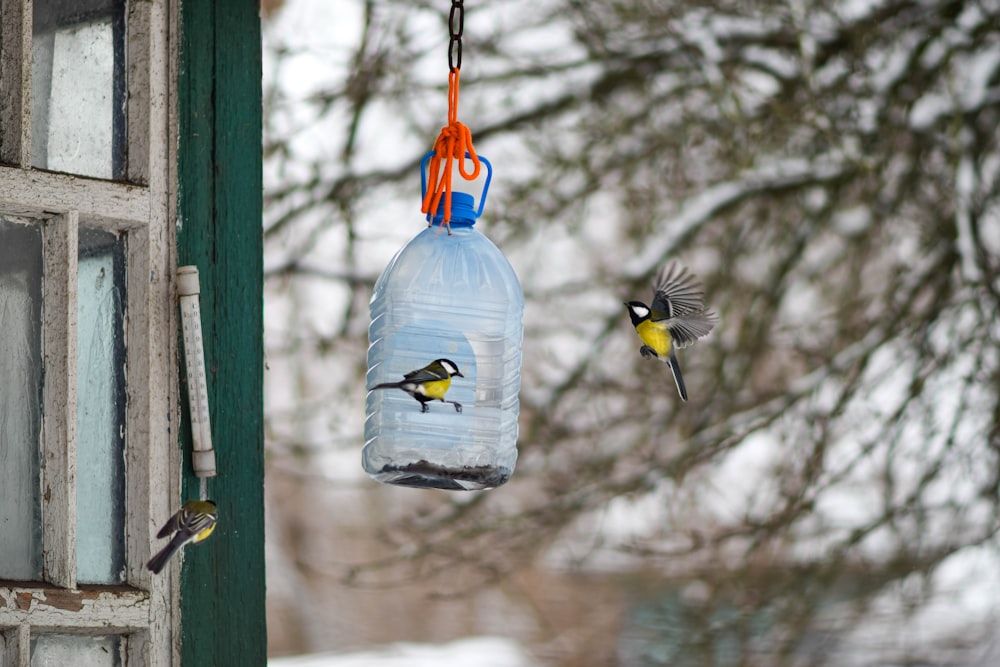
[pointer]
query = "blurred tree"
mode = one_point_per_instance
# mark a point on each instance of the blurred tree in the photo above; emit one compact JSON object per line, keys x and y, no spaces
{"x":829,"y":169}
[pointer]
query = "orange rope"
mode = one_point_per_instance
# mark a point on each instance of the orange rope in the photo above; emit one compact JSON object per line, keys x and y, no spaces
{"x":453,"y":143}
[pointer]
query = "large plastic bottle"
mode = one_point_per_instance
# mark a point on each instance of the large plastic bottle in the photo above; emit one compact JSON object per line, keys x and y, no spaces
{"x":455,"y":297}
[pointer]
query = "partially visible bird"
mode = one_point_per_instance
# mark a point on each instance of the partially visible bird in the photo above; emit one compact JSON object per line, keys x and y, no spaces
{"x":676,"y":318}
{"x":192,"y":523}
{"x":429,"y":383}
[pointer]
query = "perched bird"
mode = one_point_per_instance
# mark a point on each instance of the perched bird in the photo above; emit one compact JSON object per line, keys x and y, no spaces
{"x":193,"y":522}
{"x":429,"y":383}
{"x":676,"y":318}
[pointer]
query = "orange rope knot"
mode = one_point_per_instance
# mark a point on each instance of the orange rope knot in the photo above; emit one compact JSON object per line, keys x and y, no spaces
{"x":454,"y":141}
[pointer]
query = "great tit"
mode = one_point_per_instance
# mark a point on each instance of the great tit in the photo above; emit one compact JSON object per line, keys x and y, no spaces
{"x":676,"y":319}
{"x":429,"y":383}
{"x":193,"y":523}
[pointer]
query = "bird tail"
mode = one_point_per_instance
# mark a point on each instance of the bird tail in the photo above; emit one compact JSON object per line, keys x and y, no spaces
{"x":157,"y":562}
{"x":387,"y":385}
{"x":675,"y":368}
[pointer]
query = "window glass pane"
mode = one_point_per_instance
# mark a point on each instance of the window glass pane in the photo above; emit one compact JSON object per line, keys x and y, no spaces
{"x":78,"y":87}
{"x":20,"y":401}
{"x":76,"y":650}
{"x":100,"y":465}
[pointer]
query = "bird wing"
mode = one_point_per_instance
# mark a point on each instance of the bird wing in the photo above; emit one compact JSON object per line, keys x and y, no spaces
{"x":425,"y":375}
{"x":686,"y":329}
{"x":196,"y":522}
{"x":171,"y":526}
{"x":676,"y":292}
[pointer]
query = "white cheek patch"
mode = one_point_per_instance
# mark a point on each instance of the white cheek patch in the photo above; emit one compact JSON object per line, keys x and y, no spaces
{"x":451,"y":370}
{"x":641,"y":311}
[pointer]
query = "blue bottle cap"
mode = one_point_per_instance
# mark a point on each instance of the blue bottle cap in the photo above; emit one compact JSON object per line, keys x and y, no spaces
{"x":463,"y":213}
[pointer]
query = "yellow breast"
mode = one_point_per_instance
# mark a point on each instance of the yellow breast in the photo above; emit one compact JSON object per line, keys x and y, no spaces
{"x":203,"y":535}
{"x":435,"y":388}
{"x":656,"y":336}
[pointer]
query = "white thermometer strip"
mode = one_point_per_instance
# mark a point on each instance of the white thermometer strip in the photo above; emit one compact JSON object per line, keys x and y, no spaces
{"x":188,"y":287}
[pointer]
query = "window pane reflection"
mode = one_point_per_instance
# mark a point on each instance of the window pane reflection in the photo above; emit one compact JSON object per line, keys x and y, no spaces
{"x":100,"y":465}
{"x":77,"y":650}
{"x":78,"y":87}
{"x":20,"y":401}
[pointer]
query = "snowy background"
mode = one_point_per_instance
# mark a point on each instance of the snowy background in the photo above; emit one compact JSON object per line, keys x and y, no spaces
{"x":829,"y":495}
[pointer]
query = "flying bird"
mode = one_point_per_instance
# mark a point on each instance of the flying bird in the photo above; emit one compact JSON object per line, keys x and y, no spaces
{"x":675,"y":319}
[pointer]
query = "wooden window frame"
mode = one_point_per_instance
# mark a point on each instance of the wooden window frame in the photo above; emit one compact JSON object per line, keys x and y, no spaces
{"x":145,"y":609}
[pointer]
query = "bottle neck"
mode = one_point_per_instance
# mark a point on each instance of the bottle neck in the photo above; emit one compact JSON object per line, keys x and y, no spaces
{"x":463,"y":214}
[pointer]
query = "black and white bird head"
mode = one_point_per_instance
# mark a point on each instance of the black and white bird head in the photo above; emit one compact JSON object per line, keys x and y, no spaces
{"x":638,"y":311}
{"x":450,"y":367}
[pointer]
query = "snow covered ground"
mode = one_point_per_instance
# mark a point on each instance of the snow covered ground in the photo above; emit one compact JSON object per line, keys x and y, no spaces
{"x":471,"y":652}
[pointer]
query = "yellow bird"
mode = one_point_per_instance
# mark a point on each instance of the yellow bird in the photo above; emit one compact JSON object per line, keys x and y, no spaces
{"x":676,"y":318}
{"x":429,"y":383}
{"x":192,"y":523}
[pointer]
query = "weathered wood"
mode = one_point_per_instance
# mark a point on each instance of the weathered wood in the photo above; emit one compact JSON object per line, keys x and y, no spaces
{"x":105,"y":608}
{"x":219,"y":166}
{"x":151,"y":453}
{"x":111,"y":205}
{"x":59,"y":338}
{"x":152,"y":457}
{"x":15,"y":82}
{"x":142,"y":65}
{"x":148,"y":607}
{"x":18,"y":645}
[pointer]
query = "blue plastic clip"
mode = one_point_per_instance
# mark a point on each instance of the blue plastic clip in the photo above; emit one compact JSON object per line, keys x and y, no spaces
{"x":486,"y":184}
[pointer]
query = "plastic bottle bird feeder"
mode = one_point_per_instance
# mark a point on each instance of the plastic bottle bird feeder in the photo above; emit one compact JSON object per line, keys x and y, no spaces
{"x":446,"y":296}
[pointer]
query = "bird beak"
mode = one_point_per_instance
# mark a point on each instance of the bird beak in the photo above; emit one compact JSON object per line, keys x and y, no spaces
{"x":459,"y":374}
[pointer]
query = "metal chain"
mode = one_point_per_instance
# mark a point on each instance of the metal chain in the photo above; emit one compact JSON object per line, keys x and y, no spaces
{"x":456,"y":24}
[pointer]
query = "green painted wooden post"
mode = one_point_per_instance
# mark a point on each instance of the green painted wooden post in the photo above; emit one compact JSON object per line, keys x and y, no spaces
{"x":219,"y":204}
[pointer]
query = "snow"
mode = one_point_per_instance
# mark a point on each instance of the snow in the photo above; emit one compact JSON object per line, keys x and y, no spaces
{"x":470,"y":651}
{"x":969,"y":580}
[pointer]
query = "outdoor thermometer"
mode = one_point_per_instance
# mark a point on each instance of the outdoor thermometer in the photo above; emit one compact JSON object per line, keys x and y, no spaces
{"x":188,"y":287}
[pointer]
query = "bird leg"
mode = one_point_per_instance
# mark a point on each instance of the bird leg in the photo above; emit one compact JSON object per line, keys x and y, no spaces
{"x":458,"y":406}
{"x":648,"y":353}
